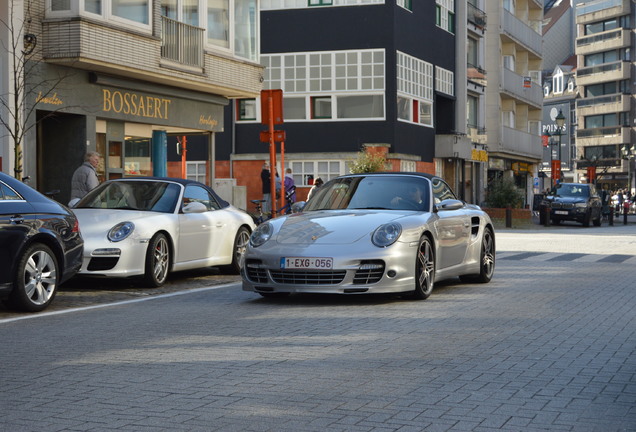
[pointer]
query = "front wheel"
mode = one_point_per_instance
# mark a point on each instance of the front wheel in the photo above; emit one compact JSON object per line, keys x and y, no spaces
{"x":157,"y":261}
{"x":36,"y":279}
{"x":424,"y":270}
{"x":486,"y":260}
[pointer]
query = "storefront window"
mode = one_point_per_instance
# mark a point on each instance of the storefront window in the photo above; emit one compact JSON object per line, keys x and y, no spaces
{"x":137,"y":157}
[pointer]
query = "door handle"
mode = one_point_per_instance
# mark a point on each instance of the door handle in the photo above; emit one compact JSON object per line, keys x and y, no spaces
{"x":17,"y":219}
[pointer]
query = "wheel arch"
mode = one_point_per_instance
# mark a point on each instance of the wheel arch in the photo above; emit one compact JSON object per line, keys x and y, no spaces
{"x":170,"y":246}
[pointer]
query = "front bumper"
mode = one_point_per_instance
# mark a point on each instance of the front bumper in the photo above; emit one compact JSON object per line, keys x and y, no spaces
{"x":121,"y":259}
{"x":388,"y":270}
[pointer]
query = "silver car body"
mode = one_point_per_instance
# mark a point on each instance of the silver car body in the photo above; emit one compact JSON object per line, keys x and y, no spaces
{"x":359,"y":266}
{"x":198,"y":239}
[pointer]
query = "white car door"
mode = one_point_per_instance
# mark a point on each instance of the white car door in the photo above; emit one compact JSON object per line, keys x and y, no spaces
{"x":201,"y":234}
{"x":453,"y":228}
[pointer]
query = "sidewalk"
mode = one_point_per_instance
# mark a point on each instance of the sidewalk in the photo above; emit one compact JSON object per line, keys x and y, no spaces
{"x":535,"y":224}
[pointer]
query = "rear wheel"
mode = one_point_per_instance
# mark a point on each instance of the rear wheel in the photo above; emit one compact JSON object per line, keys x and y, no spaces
{"x":36,"y":280}
{"x":157,"y":261}
{"x":486,"y":260}
{"x":424,"y":270}
{"x":238,"y":253}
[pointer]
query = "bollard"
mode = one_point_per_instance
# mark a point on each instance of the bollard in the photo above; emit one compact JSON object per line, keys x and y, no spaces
{"x":610,"y":218}
{"x":508,"y":217}
{"x":625,"y":212}
{"x":546,"y":211}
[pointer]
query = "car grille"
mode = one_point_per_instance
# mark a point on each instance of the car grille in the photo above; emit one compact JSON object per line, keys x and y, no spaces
{"x":558,"y":205}
{"x":254,"y":273}
{"x":301,"y":277}
{"x":102,"y":263}
{"x":369,"y":272}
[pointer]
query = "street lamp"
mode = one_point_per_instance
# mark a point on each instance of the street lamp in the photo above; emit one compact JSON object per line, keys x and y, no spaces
{"x":629,"y":154}
{"x":556,"y":164}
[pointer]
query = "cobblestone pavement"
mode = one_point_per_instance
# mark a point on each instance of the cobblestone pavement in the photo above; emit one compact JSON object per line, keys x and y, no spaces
{"x":548,"y":345}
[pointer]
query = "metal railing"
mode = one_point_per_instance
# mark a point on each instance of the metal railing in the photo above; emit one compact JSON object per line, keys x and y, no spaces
{"x":181,"y":43}
{"x":596,"y":5}
{"x":477,"y":16}
{"x":600,"y":131}
{"x":599,"y":100}
{"x":607,"y":67}
{"x":615,"y":34}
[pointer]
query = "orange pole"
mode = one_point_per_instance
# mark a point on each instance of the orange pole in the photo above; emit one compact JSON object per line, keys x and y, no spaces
{"x":272,"y":157}
{"x":184,"y":142}
{"x":282,"y":178}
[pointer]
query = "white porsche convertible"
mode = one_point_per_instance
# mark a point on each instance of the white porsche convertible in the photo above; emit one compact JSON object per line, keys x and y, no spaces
{"x":372,"y":233}
{"x":151,"y":226}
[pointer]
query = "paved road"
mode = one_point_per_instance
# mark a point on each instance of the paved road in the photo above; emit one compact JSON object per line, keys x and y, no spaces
{"x":549,"y":344}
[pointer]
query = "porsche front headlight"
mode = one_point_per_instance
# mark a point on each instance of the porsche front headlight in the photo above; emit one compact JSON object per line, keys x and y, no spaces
{"x":386,"y":234}
{"x":121,"y":231}
{"x":261,"y":234}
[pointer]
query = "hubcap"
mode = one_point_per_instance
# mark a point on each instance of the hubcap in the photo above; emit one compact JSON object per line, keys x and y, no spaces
{"x":426,"y":267}
{"x":161,"y":260}
{"x":40,"y":277}
{"x":489,"y":256}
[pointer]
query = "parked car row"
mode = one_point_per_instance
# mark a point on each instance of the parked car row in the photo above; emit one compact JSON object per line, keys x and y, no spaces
{"x":143,"y":227}
{"x":359,"y":233}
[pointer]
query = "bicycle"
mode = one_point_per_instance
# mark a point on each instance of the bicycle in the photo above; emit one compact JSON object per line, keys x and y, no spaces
{"x":259,"y":210}
{"x":286,"y":209}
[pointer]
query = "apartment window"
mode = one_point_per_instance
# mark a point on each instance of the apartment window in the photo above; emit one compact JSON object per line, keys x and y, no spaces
{"x":294,"y":108}
{"x":610,"y":24}
{"x":509,"y":5}
{"x":601,"y":152}
{"x":218,"y":23}
{"x":472,"y":107}
{"x":138,"y":11}
{"x":246,"y":110}
{"x":406,"y":4}
{"x":321,"y":107}
{"x":408,"y":166}
{"x":603,"y":89}
{"x":60,"y":5}
{"x":508,"y":118}
{"x":305,"y":171}
{"x":328,"y":85}
{"x":185,"y":11}
{"x":415,"y":90}
{"x":320,"y":2}
{"x":444,"y":81}
{"x":245,"y":29}
{"x":602,"y":120}
{"x":509,"y":62}
{"x":445,"y":15}
{"x":196,"y":171}
{"x":557,"y":82}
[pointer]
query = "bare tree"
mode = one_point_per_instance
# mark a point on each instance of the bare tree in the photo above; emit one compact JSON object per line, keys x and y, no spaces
{"x":28,"y":85}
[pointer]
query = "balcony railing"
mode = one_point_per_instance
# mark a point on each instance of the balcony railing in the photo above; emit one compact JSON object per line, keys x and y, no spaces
{"x":596,"y":5}
{"x":515,"y":85}
{"x":614,"y":34}
{"x":528,"y":35}
{"x":599,"y":132}
{"x":607,"y":67}
{"x":181,"y":43}
{"x":477,"y":16}
{"x":599,"y":100}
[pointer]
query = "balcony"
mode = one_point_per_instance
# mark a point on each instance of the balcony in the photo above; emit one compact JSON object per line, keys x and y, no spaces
{"x":522,"y":33}
{"x":603,"y":104}
{"x":513,"y":85}
{"x":613,"y":39}
{"x":603,"y":136}
{"x":162,"y":59}
{"x":520,"y":143}
{"x":477,"y":18}
{"x":598,"y":10}
{"x":181,"y":43}
{"x":606,"y":72}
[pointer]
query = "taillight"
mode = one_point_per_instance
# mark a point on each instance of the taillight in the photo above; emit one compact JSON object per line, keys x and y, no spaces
{"x":76,"y":226}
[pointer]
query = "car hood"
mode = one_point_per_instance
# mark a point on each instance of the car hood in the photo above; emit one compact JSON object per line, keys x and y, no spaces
{"x":568,"y":200}
{"x":99,"y":221}
{"x":333,"y":226}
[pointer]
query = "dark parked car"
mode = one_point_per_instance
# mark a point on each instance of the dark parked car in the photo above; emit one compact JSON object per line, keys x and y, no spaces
{"x":40,"y":246}
{"x":578,"y":202}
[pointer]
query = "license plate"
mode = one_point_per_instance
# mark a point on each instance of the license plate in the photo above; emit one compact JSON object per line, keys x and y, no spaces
{"x":560,"y":212}
{"x":310,"y":263}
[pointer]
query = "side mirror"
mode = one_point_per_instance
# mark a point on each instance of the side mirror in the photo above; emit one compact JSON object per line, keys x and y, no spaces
{"x":449,"y":204}
{"x":195,"y":207}
{"x":298,"y":207}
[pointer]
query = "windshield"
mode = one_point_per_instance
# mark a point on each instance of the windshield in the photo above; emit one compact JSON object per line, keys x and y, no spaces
{"x":372,"y":192}
{"x":133,"y":195}
{"x":572,"y":190}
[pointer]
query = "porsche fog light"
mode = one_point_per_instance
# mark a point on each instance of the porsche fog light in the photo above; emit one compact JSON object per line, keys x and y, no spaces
{"x":120,"y":231}
{"x":261,"y":234}
{"x":387,"y":234}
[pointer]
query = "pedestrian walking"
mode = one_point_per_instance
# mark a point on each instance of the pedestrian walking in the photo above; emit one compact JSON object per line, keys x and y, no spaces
{"x":290,"y":186}
{"x":85,"y":177}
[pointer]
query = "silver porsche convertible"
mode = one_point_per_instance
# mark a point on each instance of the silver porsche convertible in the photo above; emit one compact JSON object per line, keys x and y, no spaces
{"x":372,"y":233}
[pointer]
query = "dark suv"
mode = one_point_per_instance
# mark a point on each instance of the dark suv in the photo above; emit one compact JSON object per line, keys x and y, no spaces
{"x":578,"y":202}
